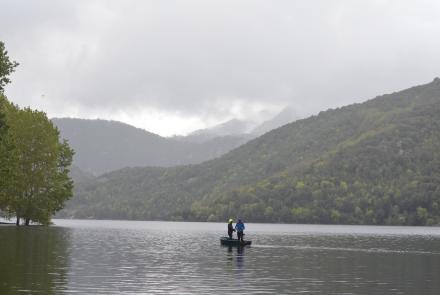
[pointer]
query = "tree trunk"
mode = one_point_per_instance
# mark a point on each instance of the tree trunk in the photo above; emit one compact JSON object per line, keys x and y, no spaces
{"x":27,"y":221}
{"x":17,"y":223}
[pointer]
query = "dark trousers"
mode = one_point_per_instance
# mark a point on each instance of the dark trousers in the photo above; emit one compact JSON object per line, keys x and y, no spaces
{"x":230,"y":234}
{"x":240,"y":235}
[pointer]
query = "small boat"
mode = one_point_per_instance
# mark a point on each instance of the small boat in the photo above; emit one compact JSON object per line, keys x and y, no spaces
{"x":226,"y":241}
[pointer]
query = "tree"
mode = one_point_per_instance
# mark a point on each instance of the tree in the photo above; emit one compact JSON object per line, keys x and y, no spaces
{"x":6,"y":67}
{"x":39,"y":181}
{"x":34,"y":164}
{"x":6,"y":155}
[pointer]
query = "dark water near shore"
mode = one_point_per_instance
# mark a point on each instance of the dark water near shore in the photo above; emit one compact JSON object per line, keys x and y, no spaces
{"x":128,"y":257}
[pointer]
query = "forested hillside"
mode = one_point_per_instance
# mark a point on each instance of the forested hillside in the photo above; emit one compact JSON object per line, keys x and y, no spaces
{"x":102,"y":146}
{"x":371,"y":163}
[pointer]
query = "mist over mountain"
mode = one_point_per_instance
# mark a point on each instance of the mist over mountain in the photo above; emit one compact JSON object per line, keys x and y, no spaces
{"x":102,"y":146}
{"x":244,"y":129}
{"x":287,"y":115}
{"x":370,"y":163}
{"x":234,"y":127}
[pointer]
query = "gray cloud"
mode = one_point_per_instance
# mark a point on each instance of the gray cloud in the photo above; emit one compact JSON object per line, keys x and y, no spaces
{"x":215,"y":59}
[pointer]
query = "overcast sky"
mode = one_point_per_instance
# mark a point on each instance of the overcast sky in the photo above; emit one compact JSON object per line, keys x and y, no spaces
{"x":174,"y":66}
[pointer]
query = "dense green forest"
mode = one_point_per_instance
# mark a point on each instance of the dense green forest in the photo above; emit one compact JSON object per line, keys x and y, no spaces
{"x":34,"y":163}
{"x":371,"y":163}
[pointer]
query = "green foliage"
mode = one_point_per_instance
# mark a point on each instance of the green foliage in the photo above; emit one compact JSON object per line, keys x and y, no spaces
{"x":370,"y":163}
{"x":6,"y":67}
{"x":299,"y":185}
{"x":34,"y":166}
{"x":7,"y":165}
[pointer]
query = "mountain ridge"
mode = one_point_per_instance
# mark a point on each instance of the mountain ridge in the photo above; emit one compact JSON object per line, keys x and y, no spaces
{"x":241,"y":181}
{"x":103,"y":146}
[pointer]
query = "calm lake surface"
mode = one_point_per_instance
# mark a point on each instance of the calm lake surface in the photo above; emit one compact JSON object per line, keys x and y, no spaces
{"x":136,"y":257}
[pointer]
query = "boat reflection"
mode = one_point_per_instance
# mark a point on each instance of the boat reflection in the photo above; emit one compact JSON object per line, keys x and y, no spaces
{"x":235,"y":257}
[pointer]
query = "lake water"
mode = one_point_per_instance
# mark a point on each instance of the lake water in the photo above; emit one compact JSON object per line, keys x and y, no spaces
{"x":130,"y":257}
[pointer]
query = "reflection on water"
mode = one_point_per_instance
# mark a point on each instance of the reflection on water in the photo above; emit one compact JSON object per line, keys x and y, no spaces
{"x":33,"y":259}
{"x":119,"y":257}
{"x":235,"y":257}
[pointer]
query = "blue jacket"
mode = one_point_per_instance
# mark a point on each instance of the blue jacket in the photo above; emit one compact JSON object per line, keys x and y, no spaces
{"x":239,"y":226}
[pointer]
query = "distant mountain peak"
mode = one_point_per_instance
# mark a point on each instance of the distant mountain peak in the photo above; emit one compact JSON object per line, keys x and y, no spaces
{"x":287,"y":115}
{"x":233,"y":127}
{"x":99,"y":123}
{"x":230,"y":127}
{"x":102,"y":146}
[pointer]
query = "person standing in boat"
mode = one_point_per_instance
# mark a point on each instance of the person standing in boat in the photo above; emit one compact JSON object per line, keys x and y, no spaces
{"x":239,"y":227}
{"x":230,"y":228}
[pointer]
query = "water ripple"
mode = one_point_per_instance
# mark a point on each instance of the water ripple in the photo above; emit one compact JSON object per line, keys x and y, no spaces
{"x":109,"y":257}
